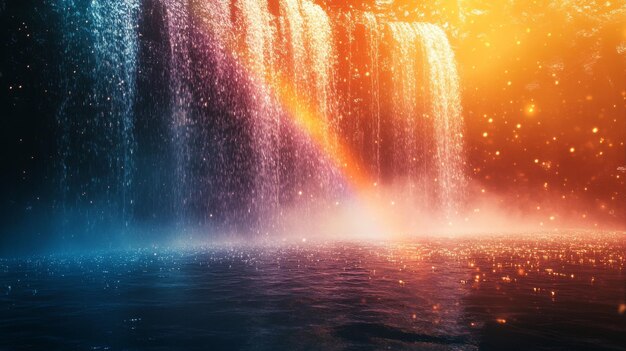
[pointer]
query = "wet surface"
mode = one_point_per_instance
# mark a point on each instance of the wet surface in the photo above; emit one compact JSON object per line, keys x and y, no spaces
{"x":564,"y":292}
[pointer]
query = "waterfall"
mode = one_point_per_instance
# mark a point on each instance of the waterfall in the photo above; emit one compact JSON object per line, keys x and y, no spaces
{"x":177,"y":24}
{"x":213,"y":30}
{"x":427,"y":119}
{"x":292,"y":32}
{"x":96,"y":117}
{"x":359,"y":87}
{"x":445,"y":108}
{"x":116,"y":45}
{"x":307,"y":40}
{"x":307,"y":63}
{"x":372,"y":39}
{"x":321,"y":60}
{"x":407,"y":157}
{"x":321,"y":57}
{"x":257,"y":31}
{"x":236,"y":72}
{"x":297,"y":163}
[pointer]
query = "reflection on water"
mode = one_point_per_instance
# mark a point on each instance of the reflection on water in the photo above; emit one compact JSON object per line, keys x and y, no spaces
{"x":560,"y":292}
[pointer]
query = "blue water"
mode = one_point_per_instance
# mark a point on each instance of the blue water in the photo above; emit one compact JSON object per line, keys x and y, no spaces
{"x":440,"y":294}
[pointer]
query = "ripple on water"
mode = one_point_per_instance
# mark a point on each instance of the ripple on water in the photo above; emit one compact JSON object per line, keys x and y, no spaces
{"x":492,"y":293}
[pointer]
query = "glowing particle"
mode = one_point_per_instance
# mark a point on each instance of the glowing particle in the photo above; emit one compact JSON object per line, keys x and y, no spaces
{"x":485,"y":134}
{"x":572,"y":149}
{"x":501,"y":320}
{"x":594,"y":130}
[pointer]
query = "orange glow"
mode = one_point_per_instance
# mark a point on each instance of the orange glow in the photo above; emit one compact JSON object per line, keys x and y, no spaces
{"x":313,"y":125}
{"x":542,"y":95}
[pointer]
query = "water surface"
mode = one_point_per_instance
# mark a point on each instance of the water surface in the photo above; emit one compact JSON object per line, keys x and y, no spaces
{"x":563,"y":292}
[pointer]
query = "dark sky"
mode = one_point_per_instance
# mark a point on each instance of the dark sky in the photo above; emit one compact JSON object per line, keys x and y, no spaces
{"x":28,"y":74}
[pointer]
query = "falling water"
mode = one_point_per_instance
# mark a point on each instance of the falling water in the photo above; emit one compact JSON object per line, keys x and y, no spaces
{"x":426,"y":113}
{"x":407,"y":156}
{"x":116,"y":45}
{"x":321,"y":57}
{"x":445,"y":108}
{"x":372,"y":37}
{"x":358,"y":76}
{"x":213,"y":31}
{"x":320,"y":49}
{"x":292,"y":35}
{"x":96,"y":117}
{"x":176,"y":18}
{"x":238,"y":158}
{"x":308,"y":60}
{"x":258,"y":33}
